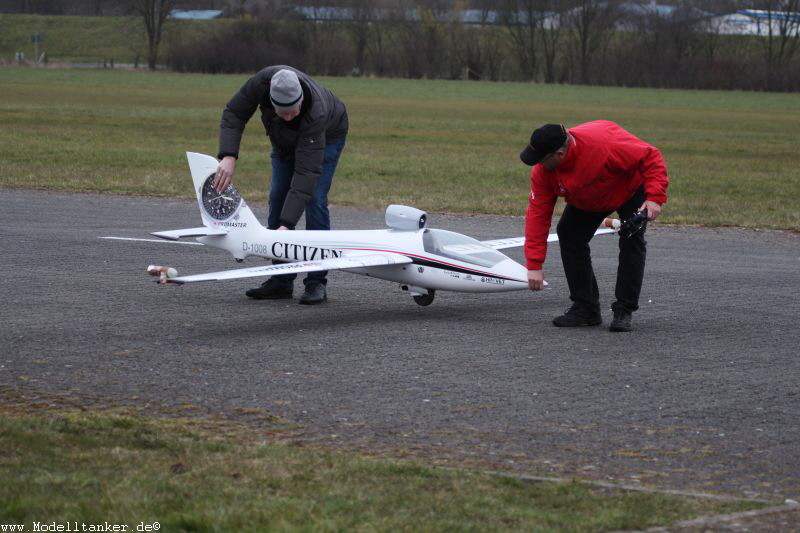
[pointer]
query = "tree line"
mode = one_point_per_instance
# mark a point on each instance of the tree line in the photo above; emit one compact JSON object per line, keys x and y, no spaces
{"x":669,"y":44}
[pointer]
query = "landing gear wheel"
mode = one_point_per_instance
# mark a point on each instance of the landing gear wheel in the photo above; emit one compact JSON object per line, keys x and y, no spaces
{"x":425,"y":299}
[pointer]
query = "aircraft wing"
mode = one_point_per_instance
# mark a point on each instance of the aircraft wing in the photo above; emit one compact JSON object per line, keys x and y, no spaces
{"x":162,"y":241}
{"x":202,"y":231}
{"x":176,"y":235}
{"x":336,"y":263}
{"x":512,"y":242}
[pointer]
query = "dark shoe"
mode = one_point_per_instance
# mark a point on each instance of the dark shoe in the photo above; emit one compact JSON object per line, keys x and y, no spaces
{"x":577,"y":316}
{"x":621,"y":321}
{"x":314,"y":294}
{"x":271,"y":290}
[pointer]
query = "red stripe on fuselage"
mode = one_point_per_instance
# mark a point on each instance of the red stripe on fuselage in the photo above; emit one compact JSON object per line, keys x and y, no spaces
{"x":439,"y":261}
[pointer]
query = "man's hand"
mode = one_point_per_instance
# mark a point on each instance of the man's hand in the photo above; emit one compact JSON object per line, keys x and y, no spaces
{"x":653,"y":209}
{"x":224,"y":175}
{"x":536,"y":280}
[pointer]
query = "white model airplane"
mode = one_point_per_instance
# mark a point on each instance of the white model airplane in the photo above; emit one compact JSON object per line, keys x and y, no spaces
{"x":422,"y":260}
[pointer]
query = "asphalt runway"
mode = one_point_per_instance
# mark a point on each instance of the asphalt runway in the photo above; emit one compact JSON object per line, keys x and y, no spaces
{"x":703,"y":396}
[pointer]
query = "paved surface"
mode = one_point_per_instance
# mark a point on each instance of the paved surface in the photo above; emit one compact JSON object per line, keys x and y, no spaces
{"x":703,"y":396}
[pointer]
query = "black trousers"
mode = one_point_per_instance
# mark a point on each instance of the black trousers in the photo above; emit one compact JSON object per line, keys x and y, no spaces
{"x":575,"y":229}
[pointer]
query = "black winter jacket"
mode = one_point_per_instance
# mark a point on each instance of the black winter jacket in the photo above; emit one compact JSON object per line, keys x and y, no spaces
{"x":322,"y":118}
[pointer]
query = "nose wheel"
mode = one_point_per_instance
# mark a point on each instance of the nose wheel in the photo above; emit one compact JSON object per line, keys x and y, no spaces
{"x":425,"y":299}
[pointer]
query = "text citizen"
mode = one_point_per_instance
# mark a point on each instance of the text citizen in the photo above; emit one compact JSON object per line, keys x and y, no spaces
{"x":292,"y":252}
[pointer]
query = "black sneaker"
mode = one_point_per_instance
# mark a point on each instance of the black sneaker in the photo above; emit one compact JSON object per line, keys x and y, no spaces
{"x":271,"y":290}
{"x":577,"y":316}
{"x":621,"y":321}
{"x":314,"y":294}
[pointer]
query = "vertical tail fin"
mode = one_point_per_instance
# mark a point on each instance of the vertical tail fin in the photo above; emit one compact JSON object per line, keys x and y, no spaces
{"x":218,"y":210}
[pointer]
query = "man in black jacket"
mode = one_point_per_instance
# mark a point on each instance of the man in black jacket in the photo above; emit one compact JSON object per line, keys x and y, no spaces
{"x":307,"y":126}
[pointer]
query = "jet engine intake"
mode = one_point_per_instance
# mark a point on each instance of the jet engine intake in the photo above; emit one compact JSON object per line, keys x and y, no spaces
{"x":404,"y":218}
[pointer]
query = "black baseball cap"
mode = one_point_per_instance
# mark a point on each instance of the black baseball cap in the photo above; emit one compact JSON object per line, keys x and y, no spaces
{"x":544,"y":141}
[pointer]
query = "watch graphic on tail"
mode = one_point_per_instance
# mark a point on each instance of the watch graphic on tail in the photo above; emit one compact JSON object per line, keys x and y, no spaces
{"x":220,"y":206}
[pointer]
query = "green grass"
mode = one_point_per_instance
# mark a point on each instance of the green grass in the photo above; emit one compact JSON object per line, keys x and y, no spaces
{"x":438,"y":145}
{"x":78,"y":39}
{"x":196,"y":475}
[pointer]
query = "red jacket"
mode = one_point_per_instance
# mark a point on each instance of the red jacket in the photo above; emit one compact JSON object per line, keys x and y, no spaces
{"x":603,"y":168}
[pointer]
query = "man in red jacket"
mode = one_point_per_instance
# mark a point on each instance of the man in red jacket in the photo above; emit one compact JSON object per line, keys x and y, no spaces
{"x":598,"y":168}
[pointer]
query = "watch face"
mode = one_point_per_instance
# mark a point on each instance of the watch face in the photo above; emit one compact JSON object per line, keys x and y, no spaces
{"x":220,"y":206}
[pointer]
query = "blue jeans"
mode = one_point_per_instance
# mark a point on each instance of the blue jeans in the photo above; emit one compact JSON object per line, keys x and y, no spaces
{"x":317,"y":215}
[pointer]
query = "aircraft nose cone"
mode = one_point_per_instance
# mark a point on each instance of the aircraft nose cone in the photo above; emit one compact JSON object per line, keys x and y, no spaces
{"x":514,"y":270}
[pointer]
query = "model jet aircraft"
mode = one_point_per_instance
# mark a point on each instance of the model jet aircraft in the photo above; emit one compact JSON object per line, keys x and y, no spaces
{"x":422,"y":260}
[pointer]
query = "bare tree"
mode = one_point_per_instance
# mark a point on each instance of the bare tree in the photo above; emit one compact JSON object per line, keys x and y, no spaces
{"x":41,"y":7}
{"x":591,"y":23}
{"x":664,"y":44}
{"x":154,"y":14}
{"x":419,"y":35}
{"x":522,"y":20}
{"x":474,"y":50}
{"x":551,"y":36}
{"x":364,"y":14}
{"x":536,"y":28}
{"x":97,"y":6}
{"x":491,"y":40}
{"x":781,"y":27}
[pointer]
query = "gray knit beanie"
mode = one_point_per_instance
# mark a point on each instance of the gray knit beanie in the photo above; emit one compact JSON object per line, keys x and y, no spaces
{"x":285,"y":91}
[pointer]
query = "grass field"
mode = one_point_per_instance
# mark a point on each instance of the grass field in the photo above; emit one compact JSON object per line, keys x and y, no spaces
{"x":66,"y":466}
{"x":442,"y":146}
{"x":77,"y":39}
{"x":438,"y":145}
